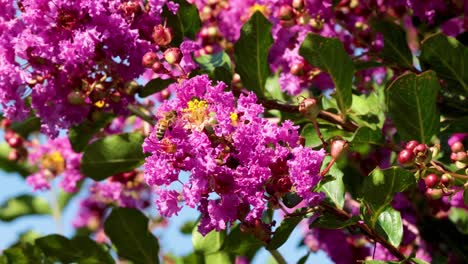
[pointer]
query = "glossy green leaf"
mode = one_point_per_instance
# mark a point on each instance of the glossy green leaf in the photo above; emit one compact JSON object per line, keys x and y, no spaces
{"x":448,"y":57}
{"x":217,"y":66}
{"x":251,"y":53}
{"x":334,"y":190}
{"x":11,"y":166}
{"x":23,"y":205}
{"x":395,"y":50}
{"x":419,"y":261}
{"x":154,"y":86}
{"x":290,"y":200}
{"x":81,"y":134}
{"x":411,"y":101}
{"x":465,"y":197}
{"x":365,"y":135}
{"x":381,"y":185}
{"x":273,"y":88}
{"x":187,"y":227}
{"x":328,"y":132}
{"x":210,"y":243}
{"x":111,"y":155}
{"x":283,"y":232}
{"x":330,"y":221}
{"x":185,"y":24}
{"x":128,"y":230}
{"x":329,"y":55}
{"x":27,"y":126}
{"x":303,"y":259}
{"x":78,"y":250}
{"x":390,"y":226}
{"x":241,"y":244}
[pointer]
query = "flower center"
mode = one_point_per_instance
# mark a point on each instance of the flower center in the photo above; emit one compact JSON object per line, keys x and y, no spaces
{"x":54,"y":162}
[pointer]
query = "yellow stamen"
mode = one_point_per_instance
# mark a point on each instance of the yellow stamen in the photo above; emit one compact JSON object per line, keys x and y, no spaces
{"x":234,"y":117}
{"x":54,"y":162}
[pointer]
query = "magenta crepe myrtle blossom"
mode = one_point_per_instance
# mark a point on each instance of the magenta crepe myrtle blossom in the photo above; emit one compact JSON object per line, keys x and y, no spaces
{"x":231,"y":152}
{"x":53,"y":159}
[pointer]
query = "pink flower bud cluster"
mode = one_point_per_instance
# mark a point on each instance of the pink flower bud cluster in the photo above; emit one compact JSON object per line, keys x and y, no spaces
{"x":237,"y":161}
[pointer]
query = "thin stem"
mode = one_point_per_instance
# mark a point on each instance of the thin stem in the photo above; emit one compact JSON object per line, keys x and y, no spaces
{"x":317,"y":129}
{"x":325,"y":115}
{"x":277,"y":256}
{"x":136,"y":111}
{"x":440,"y":168}
{"x":330,"y":164}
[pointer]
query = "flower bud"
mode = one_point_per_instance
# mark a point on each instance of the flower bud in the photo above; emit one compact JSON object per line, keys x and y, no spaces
{"x":116,"y":97}
{"x":457,"y":147}
{"x":446,"y":180}
{"x":162,"y":36}
{"x":405,"y":157}
{"x":297,"y":69}
{"x":431,"y":180}
{"x":173,"y":55}
{"x":165,"y":94}
{"x":75,"y":98}
{"x":5,"y":123}
{"x":421,"y":148}
{"x":298,"y":4}
{"x":309,"y":107}
{"x":13,"y":155}
{"x":337,"y":147}
{"x":157,"y":67}
{"x":285,"y":12}
{"x":434,"y":194}
{"x":411,"y":145}
{"x":14,"y":140}
{"x":149,"y":59}
{"x":460,"y":156}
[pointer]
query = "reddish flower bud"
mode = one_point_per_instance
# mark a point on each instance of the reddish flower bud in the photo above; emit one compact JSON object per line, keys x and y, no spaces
{"x":405,"y":157}
{"x":421,"y":148}
{"x":434,"y":194}
{"x":162,"y":36}
{"x":461,"y":156}
{"x":337,"y":147}
{"x":411,"y":145}
{"x":431,"y":180}
{"x":298,"y":4}
{"x":15,"y":141}
{"x":165,"y":94}
{"x":173,"y":55}
{"x":130,"y":7}
{"x":453,"y":156}
{"x":13,"y":155}
{"x":116,"y":97}
{"x":285,"y":12}
{"x":457,"y":147}
{"x":149,"y":59}
{"x":5,"y":123}
{"x":310,"y":108}
{"x":157,"y":67}
{"x":446,"y":180}
{"x":297,"y":69}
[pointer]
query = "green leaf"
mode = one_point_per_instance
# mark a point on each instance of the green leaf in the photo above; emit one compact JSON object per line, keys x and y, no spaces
{"x":365,"y":135}
{"x":23,"y":254}
{"x":273,"y":88}
{"x":390,"y":226}
{"x":81,"y":134}
{"x":187,"y":227}
{"x":78,"y":250}
{"x":395,"y":50}
{"x":380,"y":187}
{"x":419,"y":261}
{"x":217,"y":66}
{"x":185,"y":24}
{"x":290,"y":200}
{"x":212,"y":242}
{"x":330,"y":221}
{"x":154,"y":86}
{"x":27,"y":126}
{"x":334,"y":189}
{"x":328,"y":132}
{"x":112,"y":154}
{"x":303,"y":259}
{"x":241,"y":244}
{"x":218,"y":258}
{"x":11,"y":166}
{"x":380,"y":262}
{"x":460,"y":218}
{"x":26,"y":237}
{"x":283,"y":232}
{"x":329,"y":55}
{"x":251,"y":53}
{"x":448,"y":57}
{"x":364,"y":65}
{"x":128,"y":230}
{"x":411,"y":101}
{"x":369,"y":110}
{"x":23,"y":205}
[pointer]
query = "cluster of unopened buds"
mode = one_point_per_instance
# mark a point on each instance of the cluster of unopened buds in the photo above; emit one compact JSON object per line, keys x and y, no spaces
{"x":416,"y":154}
{"x":459,"y":155}
{"x":15,"y":141}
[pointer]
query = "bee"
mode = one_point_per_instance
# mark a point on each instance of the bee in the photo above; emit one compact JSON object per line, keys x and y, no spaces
{"x":166,"y":123}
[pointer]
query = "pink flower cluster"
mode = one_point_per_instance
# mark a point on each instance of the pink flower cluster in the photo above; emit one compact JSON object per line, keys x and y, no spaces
{"x":237,"y":160}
